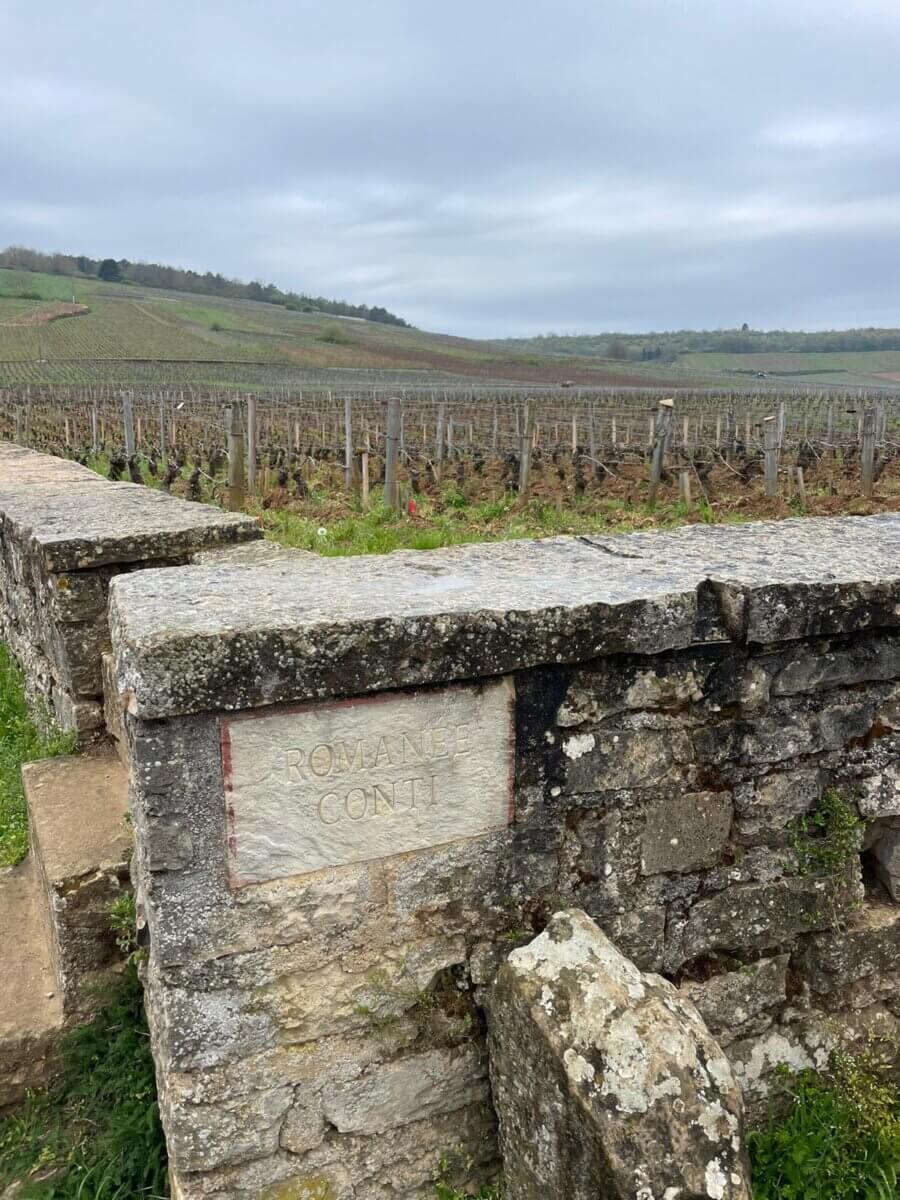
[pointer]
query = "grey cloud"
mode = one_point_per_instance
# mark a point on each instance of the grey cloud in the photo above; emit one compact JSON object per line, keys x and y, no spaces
{"x":483,"y":168}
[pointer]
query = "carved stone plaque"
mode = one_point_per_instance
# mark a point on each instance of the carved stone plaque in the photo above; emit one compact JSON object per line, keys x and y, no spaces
{"x":352,"y":780}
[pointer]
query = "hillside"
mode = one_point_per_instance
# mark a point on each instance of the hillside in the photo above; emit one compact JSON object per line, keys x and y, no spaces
{"x":121,"y":333}
{"x":180,"y":279}
{"x":59,"y":329}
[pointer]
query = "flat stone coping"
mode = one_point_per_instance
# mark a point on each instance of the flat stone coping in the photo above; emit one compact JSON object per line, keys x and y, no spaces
{"x":20,"y":466}
{"x":76,"y":524}
{"x":201,"y":638}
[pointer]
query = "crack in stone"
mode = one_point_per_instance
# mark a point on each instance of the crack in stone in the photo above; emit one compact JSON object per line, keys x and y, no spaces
{"x":605,"y":548}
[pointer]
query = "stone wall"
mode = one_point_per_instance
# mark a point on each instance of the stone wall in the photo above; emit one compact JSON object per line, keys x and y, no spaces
{"x":64,"y":533}
{"x":357,"y":785}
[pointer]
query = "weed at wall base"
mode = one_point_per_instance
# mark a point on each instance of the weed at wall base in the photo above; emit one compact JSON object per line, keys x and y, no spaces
{"x":834,"y":1136}
{"x":96,"y":1135}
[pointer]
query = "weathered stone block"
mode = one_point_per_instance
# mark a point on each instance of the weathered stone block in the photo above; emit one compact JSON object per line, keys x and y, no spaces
{"x":232,"y":1130}
{"x":74,"y":714}
{"x":621,"y":758}
{"x":788,"y":735}
{"x":303,"y":1128}
{"x":879,"y":795}
{"x":816,"y":669}
{"x":319,"y":628}
{"x":31,"y":1012}
{"x":77,"y":809}
{"x":767,"y":806}
{"x":113,"y":523}
{"x":729,"y":1001}
{"x":76,"y":595}
{"x":765,"y":914}
{"x":616,"y":686}
{"x":805,"y":1043}
{"x":886,"y":853}
{"x":398,"y":1093}
{"x":113,"y":716}
{"x":686,"y":833}
{"x":640,"y":935}
{"x":867,"y":943}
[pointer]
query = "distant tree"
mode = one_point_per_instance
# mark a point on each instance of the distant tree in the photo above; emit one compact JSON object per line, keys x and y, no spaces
{"x":617,"y":349}
{"x":745,"y":328}
{"x":109,"y":271}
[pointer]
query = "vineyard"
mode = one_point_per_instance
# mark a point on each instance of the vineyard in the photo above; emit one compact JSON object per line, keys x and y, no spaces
{"x":449,"y":464}
{"x":138,"y":337}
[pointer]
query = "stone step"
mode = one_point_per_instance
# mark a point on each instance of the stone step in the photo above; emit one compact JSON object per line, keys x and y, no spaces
{"x":81,"y":845}
{"x":31,"y":1014}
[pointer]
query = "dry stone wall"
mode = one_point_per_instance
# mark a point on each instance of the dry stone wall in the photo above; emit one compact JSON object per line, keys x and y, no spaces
{"x":357,"y":786}
{"x":64,"y":533}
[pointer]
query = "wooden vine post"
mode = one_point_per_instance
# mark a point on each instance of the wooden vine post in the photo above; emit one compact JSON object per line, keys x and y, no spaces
{"x":868,"y":451}
{"x":252,"y":437}
{"x":392,"y":454}
{"x":234,"y":494}
{"x":348,"y":443}
{"x":770,"y":432}
{"x":661,"y":431}
{"x":162,"y":431}
{"x":128,"y":420}
{"x":525,"y":447}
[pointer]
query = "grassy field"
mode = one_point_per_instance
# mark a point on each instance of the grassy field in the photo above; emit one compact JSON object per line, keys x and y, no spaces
{"x":809,"y":361}
{"x":860,"y":368}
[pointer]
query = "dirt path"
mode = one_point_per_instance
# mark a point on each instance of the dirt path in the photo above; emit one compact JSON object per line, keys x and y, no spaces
{"x":43,"y":316}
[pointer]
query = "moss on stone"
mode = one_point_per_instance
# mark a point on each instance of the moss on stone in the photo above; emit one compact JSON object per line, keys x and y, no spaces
{"x":310,"y":1187}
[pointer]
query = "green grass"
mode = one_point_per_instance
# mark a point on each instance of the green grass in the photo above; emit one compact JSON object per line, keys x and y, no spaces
{"x":379,"y":530}
{"x":22,"y":739}
{"x":97,"y":1134}
{"x":834,"y":1136}
{"x":47,"y":287}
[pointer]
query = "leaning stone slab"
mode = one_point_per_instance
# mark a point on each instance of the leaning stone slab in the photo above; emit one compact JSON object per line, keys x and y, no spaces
{"x":312,"y":628}
{"x":606,"y":1081}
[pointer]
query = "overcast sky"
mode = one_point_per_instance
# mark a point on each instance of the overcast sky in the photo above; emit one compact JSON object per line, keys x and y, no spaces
{"x":490,"y":168}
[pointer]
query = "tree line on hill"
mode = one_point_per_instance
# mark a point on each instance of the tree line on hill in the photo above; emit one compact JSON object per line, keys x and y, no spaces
{"x":177,"y":279}
{"x":667,"y":347}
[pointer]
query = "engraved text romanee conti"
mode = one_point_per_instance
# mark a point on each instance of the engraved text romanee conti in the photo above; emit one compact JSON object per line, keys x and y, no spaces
{"x":411,"y":760}
{"x":326,"y":785}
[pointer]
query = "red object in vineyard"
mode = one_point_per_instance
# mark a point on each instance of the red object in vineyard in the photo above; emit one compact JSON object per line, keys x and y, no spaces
{"x":411,"y":508}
